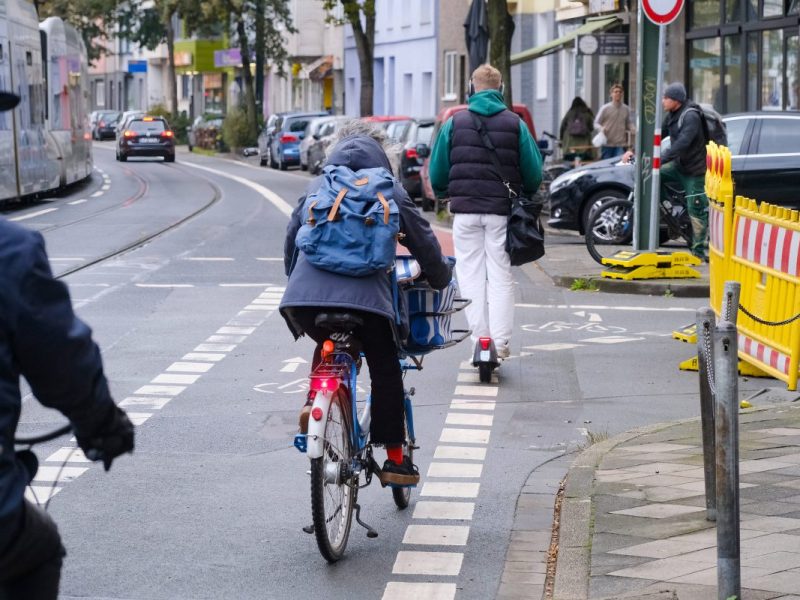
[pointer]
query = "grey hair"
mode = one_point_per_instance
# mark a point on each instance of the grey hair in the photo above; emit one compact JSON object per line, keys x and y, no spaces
{"x":356,"y":127}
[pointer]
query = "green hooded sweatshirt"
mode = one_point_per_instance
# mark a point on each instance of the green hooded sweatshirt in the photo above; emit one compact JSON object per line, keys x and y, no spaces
{"x":487,"y":103}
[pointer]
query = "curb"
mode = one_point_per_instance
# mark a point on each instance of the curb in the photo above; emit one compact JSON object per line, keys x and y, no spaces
{"x":655,"y":287}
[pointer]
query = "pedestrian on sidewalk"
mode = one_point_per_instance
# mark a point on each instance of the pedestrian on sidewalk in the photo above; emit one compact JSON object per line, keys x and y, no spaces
{"x":615,"y":120}
{"x":575,"y":132}
{"x":683,"y":164}
{"x":462,"y":169}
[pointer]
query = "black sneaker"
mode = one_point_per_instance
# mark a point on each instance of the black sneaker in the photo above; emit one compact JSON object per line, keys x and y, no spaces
{"x":402,"y":474}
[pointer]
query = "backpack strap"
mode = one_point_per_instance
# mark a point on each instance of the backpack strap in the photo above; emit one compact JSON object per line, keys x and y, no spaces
{"x":385,"y":205}
{"x":335,"y":208}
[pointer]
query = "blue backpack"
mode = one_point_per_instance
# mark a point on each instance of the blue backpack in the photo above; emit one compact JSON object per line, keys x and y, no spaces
{"x":352,"y":222}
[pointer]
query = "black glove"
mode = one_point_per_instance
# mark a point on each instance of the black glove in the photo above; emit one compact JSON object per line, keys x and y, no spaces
{"x":112,"y":438}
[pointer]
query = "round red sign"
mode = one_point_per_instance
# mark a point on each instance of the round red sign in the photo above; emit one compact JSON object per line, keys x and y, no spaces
{"x":662,"y":12}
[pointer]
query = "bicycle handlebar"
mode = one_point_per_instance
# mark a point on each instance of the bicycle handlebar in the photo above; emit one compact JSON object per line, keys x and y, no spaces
{"x":45,"y":437}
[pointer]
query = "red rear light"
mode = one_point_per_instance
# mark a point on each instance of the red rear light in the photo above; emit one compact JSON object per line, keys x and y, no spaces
{"x":316,"y":413}
{"x":411,"y":153}
{"x":101,"y":124}
{"x":87,"y":136}
{"x":167,"y":133}
{"x":128,"y":133}
{"x":286,"y":138}
{"x":484,"y":342}
{"x":321,"y":384}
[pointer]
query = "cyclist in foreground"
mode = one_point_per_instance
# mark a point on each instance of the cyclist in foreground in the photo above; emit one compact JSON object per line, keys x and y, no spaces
{"x":42,"y":340}
{"x":311,"y":290}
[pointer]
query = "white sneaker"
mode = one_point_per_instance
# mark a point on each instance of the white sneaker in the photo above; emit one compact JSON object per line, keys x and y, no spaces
{"x":503,"y":351}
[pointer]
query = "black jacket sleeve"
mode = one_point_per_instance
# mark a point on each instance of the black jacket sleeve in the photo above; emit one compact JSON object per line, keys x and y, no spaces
{"x":681,"y":139}
{"x":421,"y":241}
{"x":54,"y":348}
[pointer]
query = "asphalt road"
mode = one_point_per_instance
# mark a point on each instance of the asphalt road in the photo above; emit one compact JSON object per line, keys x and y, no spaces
{"x":212,"y":503}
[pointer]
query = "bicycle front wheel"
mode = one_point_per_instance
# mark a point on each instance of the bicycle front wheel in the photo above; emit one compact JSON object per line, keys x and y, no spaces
{"x":609,"y":228}
{"x":333,"y":491}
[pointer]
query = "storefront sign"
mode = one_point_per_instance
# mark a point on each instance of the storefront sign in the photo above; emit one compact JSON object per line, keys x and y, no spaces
{"x":232,"y":57}
{"x":137,"y":66}
{"x":212,"y":81}
{"x":183,"y":59}
{"x":606,"y":44}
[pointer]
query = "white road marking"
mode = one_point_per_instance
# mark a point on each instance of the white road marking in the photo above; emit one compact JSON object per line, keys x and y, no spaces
{"x":457,"y":404}
{"x":164,"y":285}
{"x":428,"y":563}
{"x":203,"y":356}
{"x":465,"y":436}
{"x":226,"y":339}
{"x":603,"y":307}
{"x":455,"y":511}
{"x":68,"y":259}
{"x":290,"y":368}
{"x":236,"y":330}
{"x":450,"y":489}
{"x":401,"y":590}
{"x":160,"y":390}
{"x":593,"y":317}
{"x":190,"y":367}
{"x":39,"y":494}
{"x":460,"y":452}
{"x":105,"y":187}
{"x":268,"y":194}
{"x":96,"y":194}
{"x":60,"y":474}
{"x":476,"y":390}
{"x":68,"y":454}
{"x":33,"y":214}
{"x":148,"y":403}
{"x":440,"y":469}
{"x":258,"y":285}
{"x":138,"y":418}
{"x":268,"y":300}
{"x":437,"y":535}
{"x":553,"y":347}
{"x":209,"y":258}
{"x":275,"y":259}
{"x":469,"y":419}
{"x":214,"y":347}
{"x":74,"y":202}
{"x":261,"y":307}
{"x":175,"y":378}
{"x":612,"y":339}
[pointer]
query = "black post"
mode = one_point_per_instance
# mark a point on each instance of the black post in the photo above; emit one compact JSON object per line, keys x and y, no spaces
{"x":705,"y":360}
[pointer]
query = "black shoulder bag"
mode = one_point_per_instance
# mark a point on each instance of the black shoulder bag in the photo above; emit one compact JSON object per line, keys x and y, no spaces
{"x":524,"y":233}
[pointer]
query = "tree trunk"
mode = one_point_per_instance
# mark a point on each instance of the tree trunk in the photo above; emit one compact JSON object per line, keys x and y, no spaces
{"x":365,"y":47}
{"x":500,"y":43}
{"x":173,"y":80}
{"x":249,"y":95}
{"x":260,"y":50}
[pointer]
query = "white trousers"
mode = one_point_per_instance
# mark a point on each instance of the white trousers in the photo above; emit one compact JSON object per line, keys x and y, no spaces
{"x":484,"y":275}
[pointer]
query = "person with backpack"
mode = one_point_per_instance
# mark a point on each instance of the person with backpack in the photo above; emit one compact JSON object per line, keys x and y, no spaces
{"x":683,"y":164}
{"x":575,"y":132}
{"x":334,"y":270}
{"x":462,"y":169}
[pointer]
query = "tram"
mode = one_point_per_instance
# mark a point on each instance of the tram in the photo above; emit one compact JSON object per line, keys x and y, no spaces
{"x":45,"y":143}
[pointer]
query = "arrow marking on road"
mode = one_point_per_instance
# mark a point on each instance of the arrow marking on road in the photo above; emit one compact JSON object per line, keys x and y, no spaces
{"x":292,"y":364}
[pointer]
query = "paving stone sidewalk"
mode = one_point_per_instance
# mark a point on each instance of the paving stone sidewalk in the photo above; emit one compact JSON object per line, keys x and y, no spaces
{"x":633,"y":518}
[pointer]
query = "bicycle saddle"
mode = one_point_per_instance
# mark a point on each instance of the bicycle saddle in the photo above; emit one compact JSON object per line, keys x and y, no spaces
{"x":340,"y":322}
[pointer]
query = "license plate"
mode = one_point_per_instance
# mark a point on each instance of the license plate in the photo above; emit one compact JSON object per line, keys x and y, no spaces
{"x":148,"y":140}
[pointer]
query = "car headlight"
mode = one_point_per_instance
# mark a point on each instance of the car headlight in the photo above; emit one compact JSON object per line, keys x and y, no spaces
{"x":566,"y":179}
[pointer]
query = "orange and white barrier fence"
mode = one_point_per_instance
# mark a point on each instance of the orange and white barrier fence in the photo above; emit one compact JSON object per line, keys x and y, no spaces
{"x":757,"y":245}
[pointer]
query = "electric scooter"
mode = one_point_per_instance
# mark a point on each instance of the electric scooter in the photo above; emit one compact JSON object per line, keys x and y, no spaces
{"x":485,"y":358}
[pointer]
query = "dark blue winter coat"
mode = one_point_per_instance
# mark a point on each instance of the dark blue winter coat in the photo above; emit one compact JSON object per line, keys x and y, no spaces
{"x":310,"y":286}
{"x":42,"y":340}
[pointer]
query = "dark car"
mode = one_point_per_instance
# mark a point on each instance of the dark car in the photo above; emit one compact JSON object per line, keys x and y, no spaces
{"x":279,"y":142}
{"x":104,"y":126}
{"x":765,"y":149}
{"x":146,"y":136}
{"x":420,"y":131}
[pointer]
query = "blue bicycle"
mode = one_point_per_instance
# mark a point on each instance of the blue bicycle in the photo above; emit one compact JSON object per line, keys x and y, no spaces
{"x":337,"y":441}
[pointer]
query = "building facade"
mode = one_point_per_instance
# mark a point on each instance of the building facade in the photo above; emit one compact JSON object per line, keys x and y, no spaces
{"x":405,"y":65}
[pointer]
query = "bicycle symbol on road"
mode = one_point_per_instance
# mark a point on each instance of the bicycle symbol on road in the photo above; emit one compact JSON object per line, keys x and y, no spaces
{"x":560,"y":326}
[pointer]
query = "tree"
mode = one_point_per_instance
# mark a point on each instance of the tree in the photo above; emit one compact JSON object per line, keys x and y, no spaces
{"x":364,"y":35}
{"x":501,"y":29}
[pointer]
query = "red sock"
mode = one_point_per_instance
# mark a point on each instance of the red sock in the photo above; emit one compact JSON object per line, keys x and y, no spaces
{"x":395,"y":454}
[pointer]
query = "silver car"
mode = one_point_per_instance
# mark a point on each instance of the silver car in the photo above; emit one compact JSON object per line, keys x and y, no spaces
{"x":316,"y":129}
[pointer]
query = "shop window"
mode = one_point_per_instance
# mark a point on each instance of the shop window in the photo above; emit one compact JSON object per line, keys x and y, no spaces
{"x":779,"y":136}
{"x":752,"y":71}
{"x":794,"y":7}
{"x":772,"y":70}
{"x":704,"y":65}
{"x":704,"y":13}
{"x":732,"y":75}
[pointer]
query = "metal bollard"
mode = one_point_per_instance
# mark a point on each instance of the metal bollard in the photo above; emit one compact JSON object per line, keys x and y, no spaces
{"x":705,"y":357}
{"x":730,"y":301}
{"x":727,"y":455}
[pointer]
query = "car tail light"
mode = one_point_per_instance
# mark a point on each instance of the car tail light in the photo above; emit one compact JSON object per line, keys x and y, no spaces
{"x":286,"y":138}
{"x":484,"y":342}
{"x":411,"y":153}
{"x":167,"y":134}
{"x":101,"y":124}
{"x":128,"y":133}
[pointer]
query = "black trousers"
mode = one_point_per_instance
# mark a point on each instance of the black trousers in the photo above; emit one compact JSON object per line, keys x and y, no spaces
{"x":30,"y":568}
{"x":377,"y":342}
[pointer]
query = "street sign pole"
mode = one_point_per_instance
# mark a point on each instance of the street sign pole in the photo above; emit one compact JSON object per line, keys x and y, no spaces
{"x":655,"y":189}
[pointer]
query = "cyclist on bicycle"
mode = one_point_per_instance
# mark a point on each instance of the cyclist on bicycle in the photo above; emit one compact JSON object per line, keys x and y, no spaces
{"x":309,"y":291}
{"x":42,"y":340}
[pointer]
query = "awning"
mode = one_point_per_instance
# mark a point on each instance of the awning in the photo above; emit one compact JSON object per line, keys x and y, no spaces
{"x":320,"y":68}
{"x":592,"y":24}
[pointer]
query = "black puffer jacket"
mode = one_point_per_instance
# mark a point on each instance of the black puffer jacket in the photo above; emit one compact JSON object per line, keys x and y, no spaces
{"x":309,"y":286}
{"x":687,"y":143}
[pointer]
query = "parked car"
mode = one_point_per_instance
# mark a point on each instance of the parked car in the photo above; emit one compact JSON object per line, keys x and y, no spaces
{"x":419,"y":131}
{"x":765,"y":149}
{"x":205,"y":132}
{"x":429,"y":200}
{"x":146,"y":136}
{"x":317,"y":151}
{"x":104,"y":124}
{"x":313,"y":133}
{"x":394,"y":125}
{"x":279,"y":142}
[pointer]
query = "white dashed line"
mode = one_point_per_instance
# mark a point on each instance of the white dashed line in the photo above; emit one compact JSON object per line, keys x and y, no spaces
{"x":33,"y":214}
{"x":401,"y":590}
{"x":460,"y":470}
{"x":148,"y":403}
{"x":460,"y":452}
{"x":215,"y":347}
{"x":441,"y":510}
{"x":59,"y":474}
{"x":210,"y":258}
{"x":458,"y":404}
{"x":74,"y":202}
{"x":68,"y":454}
{"x":96,"y":194}
{"x":190,"y":367}
{"x":164,"y":285}
{"x":159,"y":390}
{"x":275,"y":259}
{"x":437,"y":535}
{"x":428,"y":563}
{"x":465,"y":436}
{"x":469,"y":419}
{"x":175,"y":378}
{"x":450,"y":489}
{"x":476,"y":390}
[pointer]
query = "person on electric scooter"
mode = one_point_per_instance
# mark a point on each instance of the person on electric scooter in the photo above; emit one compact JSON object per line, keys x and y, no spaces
{"x":42,"y":340}
{"x":310,"y":291}
{"x":461,"y":168}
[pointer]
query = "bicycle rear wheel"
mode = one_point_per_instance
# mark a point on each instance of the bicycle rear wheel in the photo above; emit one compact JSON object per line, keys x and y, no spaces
{"x":333,"y":491}
{"x":609,"y":228}
{"x":402,"y":495}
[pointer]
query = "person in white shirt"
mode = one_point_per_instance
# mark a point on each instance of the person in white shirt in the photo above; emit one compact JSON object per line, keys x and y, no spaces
{"x":615,"y":120}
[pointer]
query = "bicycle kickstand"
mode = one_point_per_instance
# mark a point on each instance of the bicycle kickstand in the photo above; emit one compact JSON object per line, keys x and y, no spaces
{"x":371,"y":533}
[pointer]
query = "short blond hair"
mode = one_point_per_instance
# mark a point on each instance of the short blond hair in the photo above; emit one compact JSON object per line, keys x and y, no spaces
{"x":486,"y":77}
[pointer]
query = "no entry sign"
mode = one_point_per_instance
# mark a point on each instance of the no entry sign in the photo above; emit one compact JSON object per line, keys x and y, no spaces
{"x":662,"y":12}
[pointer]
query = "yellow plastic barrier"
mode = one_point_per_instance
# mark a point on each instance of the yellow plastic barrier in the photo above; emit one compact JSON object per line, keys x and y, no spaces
{"x":758,"y":246}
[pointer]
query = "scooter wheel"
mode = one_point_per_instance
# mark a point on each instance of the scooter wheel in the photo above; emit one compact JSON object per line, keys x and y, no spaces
{"x":485,"y":372}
